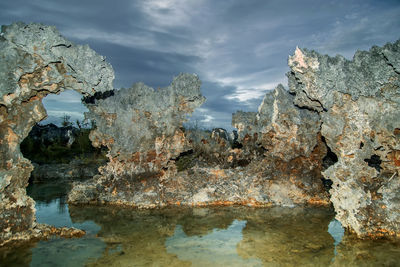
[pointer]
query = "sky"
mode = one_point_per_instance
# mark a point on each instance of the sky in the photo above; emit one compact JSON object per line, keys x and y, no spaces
{"x":238,"y":48}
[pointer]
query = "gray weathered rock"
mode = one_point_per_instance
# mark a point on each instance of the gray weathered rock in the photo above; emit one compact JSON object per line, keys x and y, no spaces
{"x":286,"y":131}
{"x":143,"y":172}
{"x":280,"y":127}
{"x":75,"y":170}
{"x":293,"y":149}
{"x":220,"y":133}
{"x":142,"y":129}
{"x":354,"y":105}
{"x":245,"y":123}
{"x":35,"y":60}
{"x":359,"y":104}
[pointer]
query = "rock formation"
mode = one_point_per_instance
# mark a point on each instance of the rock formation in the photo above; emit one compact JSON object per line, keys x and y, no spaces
{"x":359,"y":104}
{"x":289,"y":137}
{"x":282,"y":129}
{"x":75,"y":170}
{"x":142,"y":129}
{"x":276,"y":158}
{"x":245,"y":122}
{"x":154,"y":164}
{"x":35,"y":61}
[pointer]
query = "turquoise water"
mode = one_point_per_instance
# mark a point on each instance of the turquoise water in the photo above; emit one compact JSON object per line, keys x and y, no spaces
{"x":226,"y":236}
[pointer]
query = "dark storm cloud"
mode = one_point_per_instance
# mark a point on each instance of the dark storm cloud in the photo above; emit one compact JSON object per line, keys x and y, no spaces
{"x":238,"y":48}
{"x":154,"y":68}
{"x":107,"y":15}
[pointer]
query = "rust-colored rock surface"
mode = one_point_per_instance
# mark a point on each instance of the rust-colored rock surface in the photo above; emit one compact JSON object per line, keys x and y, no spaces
{"x":35,"y":60}
{"x":277,"y":158}
{"x":291,"y":163}
{"x":142,"y":128}
{"x":43,"y":232}
{"x":359,"y":104}
{"x":153,"y":163}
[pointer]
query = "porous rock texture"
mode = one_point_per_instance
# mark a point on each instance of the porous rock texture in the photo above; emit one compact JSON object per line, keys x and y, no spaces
{"x":291,"y":161}
{"x":147,"y":167}
{"x":142,"y":128}
{"x":359,"y":104}
{"x":35,"y":60}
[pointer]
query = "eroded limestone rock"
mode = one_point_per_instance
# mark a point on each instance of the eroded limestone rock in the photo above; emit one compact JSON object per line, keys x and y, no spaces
{"x":245,"y":123}
{"x":147,"y":167}
{"x":42,"y":231}
{"x":35,"y":60}
{"x":154,"y":164}
{"x":142,"y":129}
{"x":359,"y":104}
{"x":354,"y":105}
{"x":76,"y":170}
{"x":293,"y":149}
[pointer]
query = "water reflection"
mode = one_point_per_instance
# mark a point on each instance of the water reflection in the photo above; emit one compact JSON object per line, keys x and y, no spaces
{"x":235,"y":236}
{"x":46,"y":193}
{"x":67,"y":252}
{"x":215,"y":248}
{"x":284,"y":236}
{"x":355,"y":252}
{"x":51,"y":208}
{"x":213,"y":236}
{"x":336,"y":230}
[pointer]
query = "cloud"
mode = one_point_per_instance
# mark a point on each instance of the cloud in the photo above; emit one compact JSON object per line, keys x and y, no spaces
{"x":239,"y":49}
{"x":154,"y":68}
{"x":217,"y":110}
{"x":169,"y":13}
{"x":68,"y":103}
{"x":359,"y":31}
{"x":67,"y":96}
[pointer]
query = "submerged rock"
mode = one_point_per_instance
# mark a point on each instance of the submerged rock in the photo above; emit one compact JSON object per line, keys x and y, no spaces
{"x":43,"y":231}
{"x":35,"y":61}
{"x":359,"y":104}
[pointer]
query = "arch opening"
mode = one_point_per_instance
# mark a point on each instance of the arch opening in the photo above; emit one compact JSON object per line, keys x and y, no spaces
{"x":30,"y":69}
{"x":59,"y":146}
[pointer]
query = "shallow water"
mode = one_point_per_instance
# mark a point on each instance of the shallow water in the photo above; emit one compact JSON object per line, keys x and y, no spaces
{"x":226,"y":236}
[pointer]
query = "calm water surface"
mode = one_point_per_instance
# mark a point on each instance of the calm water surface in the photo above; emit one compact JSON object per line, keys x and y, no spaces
{"x":229,"y":236}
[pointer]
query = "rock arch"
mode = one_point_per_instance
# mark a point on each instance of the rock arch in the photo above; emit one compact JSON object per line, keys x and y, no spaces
{"x":35,"y":61}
